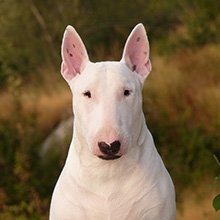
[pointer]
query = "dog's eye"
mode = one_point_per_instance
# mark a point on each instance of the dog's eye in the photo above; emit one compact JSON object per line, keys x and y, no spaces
{"x":127,"y":92}
{"x":87,"y":94}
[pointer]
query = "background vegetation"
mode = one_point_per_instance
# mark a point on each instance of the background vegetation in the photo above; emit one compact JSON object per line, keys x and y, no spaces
{"x":181,"y":97}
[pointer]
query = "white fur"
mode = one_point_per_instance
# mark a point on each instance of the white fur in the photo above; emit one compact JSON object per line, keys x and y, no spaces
{"x":136,"y":186}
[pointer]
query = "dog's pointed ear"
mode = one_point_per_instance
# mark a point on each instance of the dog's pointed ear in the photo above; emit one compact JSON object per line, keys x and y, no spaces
{"x":136,"y":52}
{"x":74,"y":54}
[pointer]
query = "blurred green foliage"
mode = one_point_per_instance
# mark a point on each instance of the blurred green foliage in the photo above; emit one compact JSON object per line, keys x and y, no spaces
{"x":25,"y":188}
{"x":216,"y":200}
{"x":31,"y":30}
{"x":30,"y":38}
{"x":202,"y":21}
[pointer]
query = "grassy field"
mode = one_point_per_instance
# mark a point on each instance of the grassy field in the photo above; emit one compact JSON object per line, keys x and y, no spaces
{"x":182,"y":108}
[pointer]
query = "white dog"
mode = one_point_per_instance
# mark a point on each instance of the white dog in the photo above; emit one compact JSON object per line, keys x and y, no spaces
{"x":113,"y":170}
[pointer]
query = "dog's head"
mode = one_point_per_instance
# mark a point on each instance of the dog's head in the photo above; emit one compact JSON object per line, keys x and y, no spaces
{"x":107,"y":101}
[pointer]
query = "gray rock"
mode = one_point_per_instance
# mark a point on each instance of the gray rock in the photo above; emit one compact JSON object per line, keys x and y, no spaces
{"x":58,"y":141}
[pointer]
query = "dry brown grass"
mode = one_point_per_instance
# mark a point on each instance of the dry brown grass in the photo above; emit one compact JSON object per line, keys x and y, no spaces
{"x":5,"y":106}
{"x":197,"y":204}
{"x":53,"y":108}
{"x":188,"y":84}
{"x":50,"y":102}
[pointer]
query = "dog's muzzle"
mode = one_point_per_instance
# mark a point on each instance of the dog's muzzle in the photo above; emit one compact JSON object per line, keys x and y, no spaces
{"x":109,"y":150}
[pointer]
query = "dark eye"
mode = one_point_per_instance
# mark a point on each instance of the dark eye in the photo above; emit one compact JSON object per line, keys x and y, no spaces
{"x":87,"y":94}
{"x":127,"y":92}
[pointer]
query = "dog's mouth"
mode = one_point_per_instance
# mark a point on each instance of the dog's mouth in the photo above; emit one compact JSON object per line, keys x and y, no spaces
{"x":109,"y":157}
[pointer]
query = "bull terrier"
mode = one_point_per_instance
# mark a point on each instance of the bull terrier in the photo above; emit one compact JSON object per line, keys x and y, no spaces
{"x":113,"y":170}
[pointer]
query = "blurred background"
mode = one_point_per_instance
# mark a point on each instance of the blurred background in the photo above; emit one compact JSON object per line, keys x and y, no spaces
{"x":181,"y":95}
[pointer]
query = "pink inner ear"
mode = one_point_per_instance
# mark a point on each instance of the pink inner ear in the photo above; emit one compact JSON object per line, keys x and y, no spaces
{"x":73,"y":53}
{"x":136,"y":52}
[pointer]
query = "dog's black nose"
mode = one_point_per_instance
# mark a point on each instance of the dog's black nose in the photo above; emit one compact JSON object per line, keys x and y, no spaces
{"x":111,"y":149}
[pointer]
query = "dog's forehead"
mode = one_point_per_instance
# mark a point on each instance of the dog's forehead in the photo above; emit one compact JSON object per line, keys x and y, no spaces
{"x":107,"y":73}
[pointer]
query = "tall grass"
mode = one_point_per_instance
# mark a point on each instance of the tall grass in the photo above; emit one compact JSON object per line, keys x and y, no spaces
{"x":182,"y":108}
{"x":27,"y":116}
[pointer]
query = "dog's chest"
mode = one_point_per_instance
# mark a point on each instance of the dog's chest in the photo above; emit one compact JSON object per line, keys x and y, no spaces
{"x":119,"y":205}
{"x":124,"y":200}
